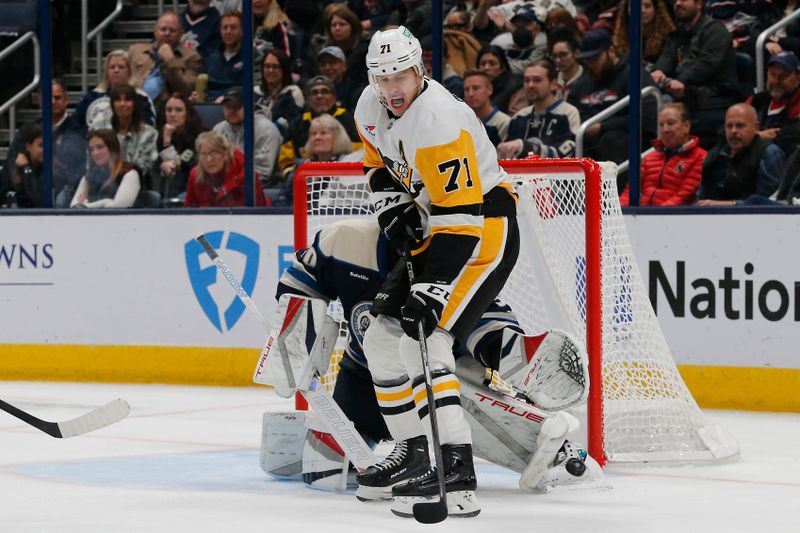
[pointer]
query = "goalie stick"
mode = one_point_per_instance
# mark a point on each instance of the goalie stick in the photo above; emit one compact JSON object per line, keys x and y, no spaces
{"x":334,"y":420}
{"x":98,"y":418}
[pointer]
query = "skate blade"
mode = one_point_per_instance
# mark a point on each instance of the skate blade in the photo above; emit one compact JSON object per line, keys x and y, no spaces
{"x":373,"y":494}
{"x":460,"y":504}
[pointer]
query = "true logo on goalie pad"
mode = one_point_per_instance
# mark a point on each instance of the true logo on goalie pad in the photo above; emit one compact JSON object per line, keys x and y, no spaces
{"x":302,"y":345}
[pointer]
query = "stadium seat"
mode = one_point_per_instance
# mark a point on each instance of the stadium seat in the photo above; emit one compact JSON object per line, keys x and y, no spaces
{"x":210,"y":114}
{"x":17,"y":18}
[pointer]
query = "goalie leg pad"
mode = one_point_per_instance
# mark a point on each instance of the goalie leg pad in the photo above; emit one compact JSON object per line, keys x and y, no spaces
{"x":511,"y":432}
{"x":325,"y":466}
{"x":301,"y":342}
{"x":282,"y":439}
{"x":552,"y":369}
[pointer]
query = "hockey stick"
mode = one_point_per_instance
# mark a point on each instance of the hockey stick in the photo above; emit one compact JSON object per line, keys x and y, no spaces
{"x":335,"y":421}
{"x":424,"y":512}
{"x":98,"y":418}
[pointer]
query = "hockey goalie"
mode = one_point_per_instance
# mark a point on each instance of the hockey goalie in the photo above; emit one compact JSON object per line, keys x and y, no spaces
{"x":514,"y":387}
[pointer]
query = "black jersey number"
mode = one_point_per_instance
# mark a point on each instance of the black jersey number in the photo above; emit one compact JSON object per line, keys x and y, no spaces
{"x":454,"y":166}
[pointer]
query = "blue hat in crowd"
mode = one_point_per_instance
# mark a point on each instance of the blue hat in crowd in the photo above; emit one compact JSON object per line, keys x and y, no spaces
{"x":594,"y":42}
{"x":528,"y":14}
{"x":785,"y":59}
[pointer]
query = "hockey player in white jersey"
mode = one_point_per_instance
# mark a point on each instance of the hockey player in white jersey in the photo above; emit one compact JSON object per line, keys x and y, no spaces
{"x":436,"y":182}
{"x":349,"y":261}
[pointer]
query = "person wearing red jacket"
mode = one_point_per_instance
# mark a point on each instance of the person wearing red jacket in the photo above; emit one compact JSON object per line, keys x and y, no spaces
{"x":218,"y":178}
{"x":671,"y":174}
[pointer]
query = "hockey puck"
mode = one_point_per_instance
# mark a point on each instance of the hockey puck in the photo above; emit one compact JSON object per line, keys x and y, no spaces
{"x":575,"y":466}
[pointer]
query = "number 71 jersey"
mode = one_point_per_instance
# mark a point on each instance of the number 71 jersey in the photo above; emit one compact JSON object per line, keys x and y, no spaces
{"x":438,"y":150}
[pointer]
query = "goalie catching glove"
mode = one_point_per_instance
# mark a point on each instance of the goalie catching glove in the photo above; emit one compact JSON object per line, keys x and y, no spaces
{"x":424,"y":304}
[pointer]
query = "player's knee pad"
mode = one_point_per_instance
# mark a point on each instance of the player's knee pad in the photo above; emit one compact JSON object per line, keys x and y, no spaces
{"x":381,"y":345}
{"x":325,"y":465}
{"x":282,"y":439}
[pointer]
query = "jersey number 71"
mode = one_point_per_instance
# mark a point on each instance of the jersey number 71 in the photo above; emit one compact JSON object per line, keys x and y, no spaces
{"x":455,"y":166}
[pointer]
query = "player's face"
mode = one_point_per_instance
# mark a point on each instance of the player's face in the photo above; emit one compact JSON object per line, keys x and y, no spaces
{"x":672,"y":130}
{"x":538,"y":85}
{"x":400,"y":89}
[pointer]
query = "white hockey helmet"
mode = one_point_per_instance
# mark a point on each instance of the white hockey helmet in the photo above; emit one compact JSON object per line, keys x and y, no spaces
{"x":391,"y":51}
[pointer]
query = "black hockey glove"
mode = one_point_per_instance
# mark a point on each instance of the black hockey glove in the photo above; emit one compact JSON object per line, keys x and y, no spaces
{"x":401,"y":223}
{"x":425,"y":303}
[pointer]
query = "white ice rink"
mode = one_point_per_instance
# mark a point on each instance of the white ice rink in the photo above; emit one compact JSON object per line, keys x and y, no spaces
{"x":187,"y":460}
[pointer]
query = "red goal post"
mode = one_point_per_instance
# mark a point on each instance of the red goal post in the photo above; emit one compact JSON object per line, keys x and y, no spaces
{"x":576,"y":268}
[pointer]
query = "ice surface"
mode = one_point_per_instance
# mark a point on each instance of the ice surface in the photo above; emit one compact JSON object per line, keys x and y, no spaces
{"x":187,"y":460}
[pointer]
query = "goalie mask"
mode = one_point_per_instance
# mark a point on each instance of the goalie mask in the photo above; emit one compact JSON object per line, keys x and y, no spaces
{"x":391,"y":53}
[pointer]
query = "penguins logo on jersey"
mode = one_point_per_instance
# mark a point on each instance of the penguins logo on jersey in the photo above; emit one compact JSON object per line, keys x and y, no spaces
{"x":401,"y":170}
{"x":360,"y":319}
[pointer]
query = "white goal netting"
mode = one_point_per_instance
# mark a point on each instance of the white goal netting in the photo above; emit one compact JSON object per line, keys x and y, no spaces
{"x":646,"y":412}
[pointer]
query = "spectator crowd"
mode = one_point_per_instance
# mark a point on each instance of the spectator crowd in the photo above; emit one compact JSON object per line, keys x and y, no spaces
{"x":164,"y":126}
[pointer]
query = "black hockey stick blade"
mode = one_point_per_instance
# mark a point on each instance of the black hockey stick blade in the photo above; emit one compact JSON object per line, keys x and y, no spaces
{"x":95,"y":419}
{"x":430,"y":512}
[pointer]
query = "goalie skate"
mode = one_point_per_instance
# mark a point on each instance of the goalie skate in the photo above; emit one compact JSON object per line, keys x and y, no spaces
{"x":460,"y":484}
{"x":409,"y":458}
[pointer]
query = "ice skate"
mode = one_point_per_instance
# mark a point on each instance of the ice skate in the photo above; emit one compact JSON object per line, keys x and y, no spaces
{"x":460,"y":484}
{"x":408,"y":459}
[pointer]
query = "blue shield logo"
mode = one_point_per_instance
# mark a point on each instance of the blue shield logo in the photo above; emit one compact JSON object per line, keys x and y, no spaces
{"x":203,"y":278}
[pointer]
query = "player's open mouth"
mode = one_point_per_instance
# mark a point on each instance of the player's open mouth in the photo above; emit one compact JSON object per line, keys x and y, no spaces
{"x":397,"y":102}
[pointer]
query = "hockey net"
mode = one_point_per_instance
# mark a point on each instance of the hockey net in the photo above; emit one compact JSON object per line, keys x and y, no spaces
{"x":576,"y":271}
